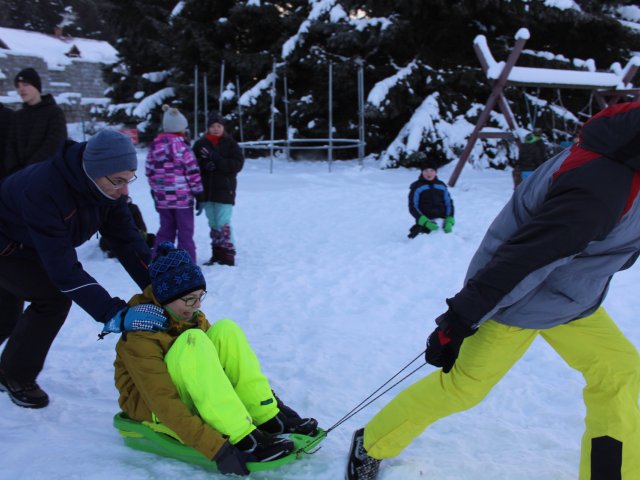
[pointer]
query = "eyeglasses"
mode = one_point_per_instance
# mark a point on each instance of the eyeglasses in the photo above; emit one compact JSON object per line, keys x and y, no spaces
{"x":191,"y":301}
{"x":121,"y":182}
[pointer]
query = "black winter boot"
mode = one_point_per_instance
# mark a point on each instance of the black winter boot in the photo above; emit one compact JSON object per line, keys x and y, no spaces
{"x":361,"y":466}
{"x":224,"y":256}
{"x":260,"y":447}
{"x":287,"y":420}
{"x":23,"y":394}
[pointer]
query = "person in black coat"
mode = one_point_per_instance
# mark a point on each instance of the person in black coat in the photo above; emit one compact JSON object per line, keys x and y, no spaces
{"x":220,"y":160}
{"x":38,"y":129}
{"x":429,"y":199}
{"x":532,"y":153}
{"x":46,"y":211}
{"x":6,"y":114}
{"x":149,"y":238}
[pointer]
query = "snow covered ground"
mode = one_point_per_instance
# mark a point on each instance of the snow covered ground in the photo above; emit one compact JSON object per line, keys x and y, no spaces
{"x":335,"y":299}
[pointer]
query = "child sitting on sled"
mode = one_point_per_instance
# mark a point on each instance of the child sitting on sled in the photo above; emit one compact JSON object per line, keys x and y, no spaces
{"x":201,"y":381}
{"x":429,"y":199}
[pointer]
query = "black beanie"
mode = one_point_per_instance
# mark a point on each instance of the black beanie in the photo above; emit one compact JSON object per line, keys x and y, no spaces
{"x":214,"y":117}
{"x":30,"y":76}
{"x":428,"y":163}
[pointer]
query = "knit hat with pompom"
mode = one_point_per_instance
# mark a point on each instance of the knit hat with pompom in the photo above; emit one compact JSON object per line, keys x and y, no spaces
{"x":172,"y":120}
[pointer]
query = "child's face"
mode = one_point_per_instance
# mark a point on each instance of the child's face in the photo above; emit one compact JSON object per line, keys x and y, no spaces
{"x":185,"y":307}
{"x":429,"y":174}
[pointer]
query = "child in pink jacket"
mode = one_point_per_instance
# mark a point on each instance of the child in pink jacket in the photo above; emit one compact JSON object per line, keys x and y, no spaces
{"x":174,"y":177}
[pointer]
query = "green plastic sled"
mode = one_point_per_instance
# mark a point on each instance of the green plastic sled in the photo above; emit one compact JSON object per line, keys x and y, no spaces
{"x":161,"y":441}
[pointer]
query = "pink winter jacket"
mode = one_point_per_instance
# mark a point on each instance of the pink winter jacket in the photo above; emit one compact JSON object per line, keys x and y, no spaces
{"x":173,"y":172}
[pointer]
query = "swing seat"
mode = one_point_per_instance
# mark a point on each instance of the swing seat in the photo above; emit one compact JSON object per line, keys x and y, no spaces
{"x":159,"y":439}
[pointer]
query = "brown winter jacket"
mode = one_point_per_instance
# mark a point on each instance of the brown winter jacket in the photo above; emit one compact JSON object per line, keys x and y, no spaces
{"x":144,"y":384}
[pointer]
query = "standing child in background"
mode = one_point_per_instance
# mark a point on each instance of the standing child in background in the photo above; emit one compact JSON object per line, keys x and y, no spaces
{"x":220,"y":160}
{"x":429,"y":199}
{"x":201,"y":381}
{"x":532,"y":153}
{"x":149,"y":238}
{"x":175,"y":181}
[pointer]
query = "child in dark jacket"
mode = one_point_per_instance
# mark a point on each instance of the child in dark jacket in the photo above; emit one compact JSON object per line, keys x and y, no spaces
{"x":149,"y":238}
{"x":220,"y":160}
{"x":429,"y":199}
{"x":201,"y":381}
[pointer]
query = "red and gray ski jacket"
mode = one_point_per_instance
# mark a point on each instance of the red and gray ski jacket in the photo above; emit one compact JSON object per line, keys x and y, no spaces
{"x":549,"y":255}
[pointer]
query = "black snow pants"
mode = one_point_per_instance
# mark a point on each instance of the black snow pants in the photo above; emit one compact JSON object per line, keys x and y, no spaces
{"x":29,"y":333}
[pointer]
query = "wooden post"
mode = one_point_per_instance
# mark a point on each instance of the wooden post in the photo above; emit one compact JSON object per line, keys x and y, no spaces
{"x":496,"y":96}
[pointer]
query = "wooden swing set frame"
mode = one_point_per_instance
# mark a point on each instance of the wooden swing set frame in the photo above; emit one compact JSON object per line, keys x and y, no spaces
{"x":609,"y":88}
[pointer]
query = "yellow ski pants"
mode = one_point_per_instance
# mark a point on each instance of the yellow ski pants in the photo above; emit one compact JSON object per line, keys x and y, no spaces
{"x":218,"y":376}
{"x":592,"y":345}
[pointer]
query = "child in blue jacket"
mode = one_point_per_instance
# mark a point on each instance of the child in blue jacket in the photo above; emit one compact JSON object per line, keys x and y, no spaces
{"x":429,"y":199}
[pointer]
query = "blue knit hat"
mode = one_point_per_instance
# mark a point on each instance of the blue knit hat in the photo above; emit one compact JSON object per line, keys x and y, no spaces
{"x":109,"y":152}
{"x":173,"y":274}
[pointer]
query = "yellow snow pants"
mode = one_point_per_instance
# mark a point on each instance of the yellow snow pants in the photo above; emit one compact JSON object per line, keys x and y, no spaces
{"x":592,"y":345}
{"x":218,"y":376}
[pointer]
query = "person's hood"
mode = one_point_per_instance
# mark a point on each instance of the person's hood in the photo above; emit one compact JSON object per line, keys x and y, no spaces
{"x":615,"y":133}
{"x":69,"y":164}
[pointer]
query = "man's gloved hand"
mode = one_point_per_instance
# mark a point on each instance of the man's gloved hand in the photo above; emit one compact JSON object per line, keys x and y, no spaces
{"x":144,"y":317}
{"x":199,"y":203}
{"x":416,"y":230}
{"x":231,"y":461}
{"x":443,"y":345}
{"x":428,"y":224}
{"x":449,"y":222}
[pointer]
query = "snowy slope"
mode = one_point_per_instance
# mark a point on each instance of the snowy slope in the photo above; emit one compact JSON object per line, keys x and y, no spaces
{"x":335,"y":299}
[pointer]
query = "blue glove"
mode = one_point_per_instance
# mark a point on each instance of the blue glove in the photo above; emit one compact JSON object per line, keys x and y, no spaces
{"x":144,"y":317}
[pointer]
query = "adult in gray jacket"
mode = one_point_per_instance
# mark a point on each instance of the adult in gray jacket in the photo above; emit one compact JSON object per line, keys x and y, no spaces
{"x":543,"y":269}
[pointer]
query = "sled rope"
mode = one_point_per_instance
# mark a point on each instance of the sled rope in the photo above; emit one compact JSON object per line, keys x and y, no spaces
{"x":368,"y":401}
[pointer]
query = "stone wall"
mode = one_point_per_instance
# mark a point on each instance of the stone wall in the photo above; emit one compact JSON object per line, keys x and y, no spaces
{"x":80,"y":76}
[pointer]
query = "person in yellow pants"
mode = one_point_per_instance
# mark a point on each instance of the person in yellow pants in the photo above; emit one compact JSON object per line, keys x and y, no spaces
{"x":543,"y":268}
{"x":488,"y":356}
{"x":202,"y":382}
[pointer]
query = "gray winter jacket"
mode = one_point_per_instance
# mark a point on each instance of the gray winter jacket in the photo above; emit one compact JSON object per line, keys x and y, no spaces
{"x":549,"y":255}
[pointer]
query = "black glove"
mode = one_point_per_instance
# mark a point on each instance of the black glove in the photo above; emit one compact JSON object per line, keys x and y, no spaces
{"x":210,"y":166}
{"x":416,"y":230}
{"x":231,"y":461}
{"x":209,"y":155}
{"x":215,"y":154}
{"x":443,"y":345}
{"x":199,"y":203}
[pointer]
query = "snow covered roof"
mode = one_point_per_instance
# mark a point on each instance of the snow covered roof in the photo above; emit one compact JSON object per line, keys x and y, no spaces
{"x":57,"y":52}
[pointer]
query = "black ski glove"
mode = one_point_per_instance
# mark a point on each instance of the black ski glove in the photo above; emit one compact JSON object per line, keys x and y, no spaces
{"x":443,"y":345}
{"x":231,"y":461}
{"x":199,"y":203}
{"x":416,"y":230}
